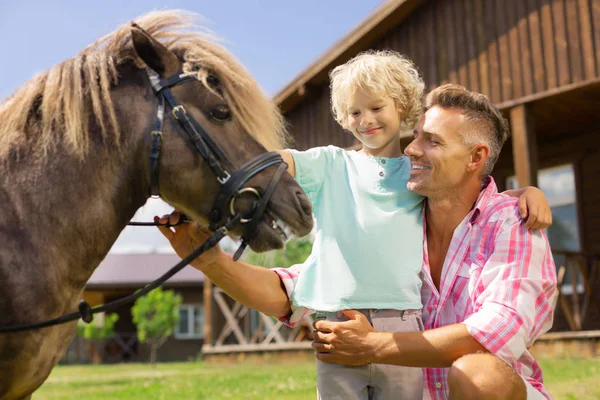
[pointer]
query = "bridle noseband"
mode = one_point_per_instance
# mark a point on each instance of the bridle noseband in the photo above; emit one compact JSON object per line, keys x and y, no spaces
{"x":230,"y":179}
{"x":223,"y":216}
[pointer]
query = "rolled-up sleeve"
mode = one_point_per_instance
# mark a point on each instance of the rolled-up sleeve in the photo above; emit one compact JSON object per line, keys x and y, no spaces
{"x":289,"y":277}
{"x":515,"y":293}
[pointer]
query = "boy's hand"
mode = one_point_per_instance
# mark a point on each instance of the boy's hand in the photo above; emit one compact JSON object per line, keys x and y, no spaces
{"x":534,"y":208}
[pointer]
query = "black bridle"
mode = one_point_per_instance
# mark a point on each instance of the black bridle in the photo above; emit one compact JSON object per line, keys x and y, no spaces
{"x":223,"y":216}
{"x":231,"y":180}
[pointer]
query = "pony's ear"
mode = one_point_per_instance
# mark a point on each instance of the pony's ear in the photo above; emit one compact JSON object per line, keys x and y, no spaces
{"x":153,"y":53}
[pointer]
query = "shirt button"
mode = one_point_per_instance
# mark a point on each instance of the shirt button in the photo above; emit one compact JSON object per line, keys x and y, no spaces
{"x":383,"y":161}
{"x":438,"y":385}
{"x":381,"y":173}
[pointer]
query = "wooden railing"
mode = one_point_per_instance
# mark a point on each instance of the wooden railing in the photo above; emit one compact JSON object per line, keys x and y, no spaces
{"x":118,"y":348}
{"x":239,"y":335}
{"x":576,"y":298}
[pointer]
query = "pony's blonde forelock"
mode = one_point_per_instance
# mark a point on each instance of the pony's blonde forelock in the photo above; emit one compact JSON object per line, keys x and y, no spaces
{"x":64,"y":98}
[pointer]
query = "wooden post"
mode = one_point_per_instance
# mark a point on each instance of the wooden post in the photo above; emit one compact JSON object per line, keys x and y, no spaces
{"x":524,"y":146}
{"x":207,"y":311}
{"x":564,"y":305}
{"x":575,"y":296}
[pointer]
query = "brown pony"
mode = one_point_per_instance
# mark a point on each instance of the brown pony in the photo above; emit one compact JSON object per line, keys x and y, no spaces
{"x":74,"y":151}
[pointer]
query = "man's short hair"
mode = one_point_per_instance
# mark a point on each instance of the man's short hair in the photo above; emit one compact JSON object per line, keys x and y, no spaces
{"x":489,"y":127}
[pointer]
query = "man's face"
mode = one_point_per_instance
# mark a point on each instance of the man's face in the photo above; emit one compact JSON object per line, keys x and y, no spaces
{"x":439,"y":158}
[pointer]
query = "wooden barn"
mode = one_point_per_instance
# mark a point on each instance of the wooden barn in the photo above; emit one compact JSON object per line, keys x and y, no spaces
{"x":120,"y":275}
{"x":539,"y":61}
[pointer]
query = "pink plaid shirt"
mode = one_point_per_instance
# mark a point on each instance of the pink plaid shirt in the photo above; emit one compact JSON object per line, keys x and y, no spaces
{"x":498,"y":279}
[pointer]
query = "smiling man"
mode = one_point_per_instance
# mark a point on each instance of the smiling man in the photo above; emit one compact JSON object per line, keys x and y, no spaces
{"x":489,"y":283}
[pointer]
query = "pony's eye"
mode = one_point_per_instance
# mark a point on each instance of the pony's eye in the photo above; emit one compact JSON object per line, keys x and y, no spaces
{"x":212,"y":80}
{"x":220,"y":113}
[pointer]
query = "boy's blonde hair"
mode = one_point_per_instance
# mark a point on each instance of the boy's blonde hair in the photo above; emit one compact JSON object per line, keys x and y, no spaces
{"x":383,"y":73}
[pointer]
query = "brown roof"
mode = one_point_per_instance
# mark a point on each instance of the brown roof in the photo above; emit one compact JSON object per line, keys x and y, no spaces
{"x":372,"y":28}
{"x":135,"y":270}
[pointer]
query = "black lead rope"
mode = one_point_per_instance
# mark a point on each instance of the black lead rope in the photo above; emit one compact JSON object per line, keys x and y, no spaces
{"x":86,"y":312}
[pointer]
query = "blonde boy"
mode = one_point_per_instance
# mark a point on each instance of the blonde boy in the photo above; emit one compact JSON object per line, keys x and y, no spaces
{"x":367,"y":252}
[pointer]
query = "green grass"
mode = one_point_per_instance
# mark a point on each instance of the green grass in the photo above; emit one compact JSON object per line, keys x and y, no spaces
{"x":572,"y":379}
{"x":565,"y":378}
{"x":180,"y":381}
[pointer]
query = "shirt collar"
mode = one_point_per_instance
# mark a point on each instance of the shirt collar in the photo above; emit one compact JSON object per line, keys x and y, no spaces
{"x":488,"y":189}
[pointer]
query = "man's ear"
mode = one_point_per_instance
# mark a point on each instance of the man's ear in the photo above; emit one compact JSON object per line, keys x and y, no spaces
{"x":153,"y":53}
{"x":479,"y":156}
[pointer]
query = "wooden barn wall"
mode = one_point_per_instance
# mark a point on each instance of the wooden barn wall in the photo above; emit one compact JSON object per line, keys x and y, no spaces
{"x":506,"y":49}
{"x":587,"y":169}
{"x":312,"y":124}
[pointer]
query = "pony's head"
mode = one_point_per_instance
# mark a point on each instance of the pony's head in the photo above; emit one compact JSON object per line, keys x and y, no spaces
{"x":103,"y":99}
{"x":241,"y":121}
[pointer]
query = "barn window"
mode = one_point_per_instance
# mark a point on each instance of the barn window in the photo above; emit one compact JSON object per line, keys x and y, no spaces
{"x":558,"y":184}
{"x":191,"y":322}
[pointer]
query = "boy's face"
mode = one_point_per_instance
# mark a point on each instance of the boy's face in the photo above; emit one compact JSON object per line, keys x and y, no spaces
{"x":375,"y":121}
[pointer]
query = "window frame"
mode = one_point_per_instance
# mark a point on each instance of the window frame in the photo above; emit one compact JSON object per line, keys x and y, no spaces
{"x":191,"y":335}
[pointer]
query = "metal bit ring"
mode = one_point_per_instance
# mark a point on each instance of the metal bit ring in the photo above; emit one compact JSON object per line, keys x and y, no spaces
{"x":233,"y":199}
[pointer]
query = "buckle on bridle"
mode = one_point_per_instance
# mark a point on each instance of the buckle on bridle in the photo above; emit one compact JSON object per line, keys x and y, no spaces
{"x":224,"y":179}
{"x":177,"y":109}
{"x":233,"y":199}
{"x":156,"y":133}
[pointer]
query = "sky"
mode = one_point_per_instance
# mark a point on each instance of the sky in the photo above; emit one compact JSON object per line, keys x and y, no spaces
{"x":274,"y":39}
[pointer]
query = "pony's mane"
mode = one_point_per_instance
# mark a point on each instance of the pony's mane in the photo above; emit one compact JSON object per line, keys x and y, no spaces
{"x":61,"y":101}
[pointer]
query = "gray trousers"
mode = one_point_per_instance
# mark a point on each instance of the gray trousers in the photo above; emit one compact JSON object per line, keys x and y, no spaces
{"x":373,"y":381}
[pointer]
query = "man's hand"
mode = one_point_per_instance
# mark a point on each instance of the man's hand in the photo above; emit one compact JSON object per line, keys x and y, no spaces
{"x":534,"y":208}
{"x":255,"y":287}
{"x":350,"y":342}
{"x":186,"y":238}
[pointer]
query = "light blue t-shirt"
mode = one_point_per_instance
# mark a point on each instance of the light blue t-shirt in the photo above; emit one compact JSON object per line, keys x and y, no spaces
{"x":368,"y":248}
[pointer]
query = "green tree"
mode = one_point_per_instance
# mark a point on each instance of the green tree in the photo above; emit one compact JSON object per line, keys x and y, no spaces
{"x":296,"y":251}
{"x":99,"y":329}
{"x":155,"y":315}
